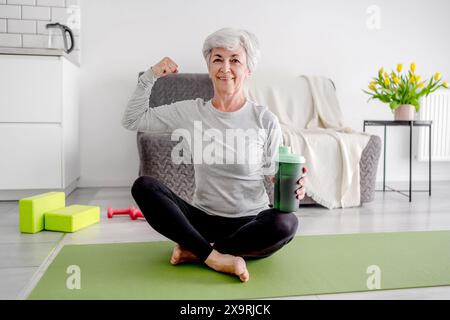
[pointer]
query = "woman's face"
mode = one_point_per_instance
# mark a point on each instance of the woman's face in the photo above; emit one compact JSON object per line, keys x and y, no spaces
{"x":228,"y":70}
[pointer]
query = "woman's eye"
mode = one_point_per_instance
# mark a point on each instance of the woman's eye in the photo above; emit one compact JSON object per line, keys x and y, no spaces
{"x":233,"y":60}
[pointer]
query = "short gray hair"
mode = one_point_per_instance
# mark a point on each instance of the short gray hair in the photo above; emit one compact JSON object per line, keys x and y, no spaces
{"x":231,"y":39}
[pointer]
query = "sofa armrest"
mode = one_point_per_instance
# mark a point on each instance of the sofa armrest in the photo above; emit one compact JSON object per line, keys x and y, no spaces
{"x":155,"y":160}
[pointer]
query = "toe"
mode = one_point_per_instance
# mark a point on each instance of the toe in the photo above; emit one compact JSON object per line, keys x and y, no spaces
{"x":245,"y":276}
{"x":241,"y":269}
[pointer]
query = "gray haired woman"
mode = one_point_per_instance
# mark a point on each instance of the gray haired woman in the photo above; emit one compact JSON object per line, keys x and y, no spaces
{"x":230,"y":218}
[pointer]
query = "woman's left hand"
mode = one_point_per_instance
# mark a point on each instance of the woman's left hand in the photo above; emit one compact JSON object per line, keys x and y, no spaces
{"x":301,"y":182}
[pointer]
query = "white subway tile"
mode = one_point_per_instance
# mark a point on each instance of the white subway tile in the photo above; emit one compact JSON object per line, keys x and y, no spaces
{"x":72,"y":3}
{"x":10,"y":12}
{"x":35,"y":13}
{"x":60,"y":15}
{"x":25,"y":2}
{"x":51,"y":3}
{"x":10,"y":40}
{"x":2,"y":25}
{"x":40,"y":27}
{"x":21,"y":26}
{"x":34,"y":41}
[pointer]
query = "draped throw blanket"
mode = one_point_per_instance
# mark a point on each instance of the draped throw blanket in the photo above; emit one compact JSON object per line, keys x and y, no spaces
{"x":312,"y":124}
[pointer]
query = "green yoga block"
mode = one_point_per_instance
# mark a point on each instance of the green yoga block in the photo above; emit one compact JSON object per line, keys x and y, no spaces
{"x":72,"y":218}
{"x":32,"y":209}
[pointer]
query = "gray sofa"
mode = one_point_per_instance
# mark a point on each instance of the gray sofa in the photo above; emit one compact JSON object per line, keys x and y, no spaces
{"x":155,"y":149}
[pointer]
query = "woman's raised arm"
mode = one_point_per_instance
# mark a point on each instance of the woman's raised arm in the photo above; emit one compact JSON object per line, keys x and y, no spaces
{"x":138,"y":116}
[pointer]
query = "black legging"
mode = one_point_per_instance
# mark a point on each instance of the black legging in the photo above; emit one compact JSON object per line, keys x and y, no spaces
{"x":249,"y":237}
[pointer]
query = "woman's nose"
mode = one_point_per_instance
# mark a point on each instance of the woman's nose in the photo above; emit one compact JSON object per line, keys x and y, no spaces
{"x":225,"y":67}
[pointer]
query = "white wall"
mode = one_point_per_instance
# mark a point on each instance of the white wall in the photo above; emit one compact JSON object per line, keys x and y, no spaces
{"x":122,"y":37}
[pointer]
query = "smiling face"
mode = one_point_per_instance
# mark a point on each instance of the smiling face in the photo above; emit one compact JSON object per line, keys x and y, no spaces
{"x":228,"y":70}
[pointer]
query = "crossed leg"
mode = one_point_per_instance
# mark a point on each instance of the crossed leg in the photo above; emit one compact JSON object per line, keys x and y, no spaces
{"x":193,"y":230}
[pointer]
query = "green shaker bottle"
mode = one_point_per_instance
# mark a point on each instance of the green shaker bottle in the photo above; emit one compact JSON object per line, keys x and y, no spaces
{"x":289,"y":171}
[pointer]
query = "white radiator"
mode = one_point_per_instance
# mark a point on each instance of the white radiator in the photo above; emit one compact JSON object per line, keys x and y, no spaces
{"x":435,"y":107}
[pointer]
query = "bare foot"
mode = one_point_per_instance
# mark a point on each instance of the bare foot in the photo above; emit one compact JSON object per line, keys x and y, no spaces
{"x":180,"y":255}
{"x":228,"y":264}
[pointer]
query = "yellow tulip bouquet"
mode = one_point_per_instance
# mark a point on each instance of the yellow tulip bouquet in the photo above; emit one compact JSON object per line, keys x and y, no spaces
{"x":398,"y":89}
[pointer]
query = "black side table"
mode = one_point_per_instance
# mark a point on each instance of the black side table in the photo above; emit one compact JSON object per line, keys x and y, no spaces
{"x":409,"y":124}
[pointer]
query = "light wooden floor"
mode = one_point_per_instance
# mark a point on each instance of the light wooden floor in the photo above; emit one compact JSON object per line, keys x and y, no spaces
{"x":24,"y":257}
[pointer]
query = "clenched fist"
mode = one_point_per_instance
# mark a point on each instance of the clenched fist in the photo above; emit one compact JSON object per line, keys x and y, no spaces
{"x":164,"y":67}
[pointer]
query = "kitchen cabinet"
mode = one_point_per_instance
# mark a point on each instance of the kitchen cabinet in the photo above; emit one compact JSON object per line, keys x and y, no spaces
{"x":39,"y":125}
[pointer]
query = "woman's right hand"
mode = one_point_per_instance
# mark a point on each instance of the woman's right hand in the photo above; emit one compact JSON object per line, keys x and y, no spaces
{"x":164,"y":67}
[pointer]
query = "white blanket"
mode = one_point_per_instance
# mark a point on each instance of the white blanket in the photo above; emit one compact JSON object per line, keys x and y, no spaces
{"x":315,"y":130}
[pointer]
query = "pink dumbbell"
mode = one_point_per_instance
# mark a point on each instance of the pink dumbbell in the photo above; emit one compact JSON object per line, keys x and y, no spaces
{"x":137,"y":214}
{"x":129,"y":211}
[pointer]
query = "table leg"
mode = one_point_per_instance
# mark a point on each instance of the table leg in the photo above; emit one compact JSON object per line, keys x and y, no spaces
{"x":410,"y":157}
{"x":384,"y":160}
{"x":429,"y":160}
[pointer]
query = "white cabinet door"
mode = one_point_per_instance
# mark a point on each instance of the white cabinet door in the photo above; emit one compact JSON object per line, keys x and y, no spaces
{"x":30,"y":156}
{"x":30,"y":89}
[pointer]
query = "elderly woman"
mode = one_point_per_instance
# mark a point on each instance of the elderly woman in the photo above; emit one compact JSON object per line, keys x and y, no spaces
{"x":230,"y":218}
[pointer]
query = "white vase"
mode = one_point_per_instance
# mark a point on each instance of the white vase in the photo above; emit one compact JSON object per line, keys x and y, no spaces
{"x":404,"y":112}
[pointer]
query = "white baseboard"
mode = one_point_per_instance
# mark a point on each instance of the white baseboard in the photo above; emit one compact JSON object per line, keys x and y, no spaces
{"x":99,"y":183}
{"x":14,"y":195}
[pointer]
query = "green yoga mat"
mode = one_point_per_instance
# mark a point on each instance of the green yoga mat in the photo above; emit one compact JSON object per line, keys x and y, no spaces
{"x":307,"y":265}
